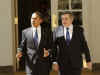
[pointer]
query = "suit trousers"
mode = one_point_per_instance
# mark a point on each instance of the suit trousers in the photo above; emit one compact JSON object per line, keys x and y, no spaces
{"x":40,"y":68}
{"x":70,"y":72}
{"x":67,"y":69}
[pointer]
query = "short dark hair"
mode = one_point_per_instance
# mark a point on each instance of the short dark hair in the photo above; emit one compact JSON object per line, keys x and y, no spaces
{"x":67,"y":12}
{"x":39,"y":14}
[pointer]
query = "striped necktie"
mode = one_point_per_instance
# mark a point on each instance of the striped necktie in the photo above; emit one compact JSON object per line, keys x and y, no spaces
{"x":36,"y":39}
{"x":67,"y":36}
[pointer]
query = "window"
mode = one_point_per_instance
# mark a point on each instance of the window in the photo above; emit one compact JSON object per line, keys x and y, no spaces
{"x":74,"y":6}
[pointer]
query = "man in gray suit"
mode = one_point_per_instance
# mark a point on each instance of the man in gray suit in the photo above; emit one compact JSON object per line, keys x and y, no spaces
{"x":35,"y":46}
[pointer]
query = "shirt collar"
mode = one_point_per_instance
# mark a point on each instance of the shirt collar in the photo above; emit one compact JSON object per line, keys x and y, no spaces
{"x":34,"y":28}
{"x":70,"y":27}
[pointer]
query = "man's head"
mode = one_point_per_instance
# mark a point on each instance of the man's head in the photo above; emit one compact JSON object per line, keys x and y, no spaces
{"x":67,"y":18}
{"x":36,"y":19}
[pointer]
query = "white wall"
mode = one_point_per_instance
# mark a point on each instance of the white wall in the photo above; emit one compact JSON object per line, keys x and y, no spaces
{"x":95,"y":30}
{"x":92,"y":27}
{"x":5,"y":33}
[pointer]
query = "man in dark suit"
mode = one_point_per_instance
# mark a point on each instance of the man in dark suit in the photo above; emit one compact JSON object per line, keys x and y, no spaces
{"x":69,"y":45}
{"x":35,"y":47}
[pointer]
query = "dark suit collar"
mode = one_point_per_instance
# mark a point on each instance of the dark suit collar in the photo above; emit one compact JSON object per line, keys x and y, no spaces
{"x":73,"y":35}
{"x":72,"y":32}
{"x":31,"y":35}
{"x":42,"y":36}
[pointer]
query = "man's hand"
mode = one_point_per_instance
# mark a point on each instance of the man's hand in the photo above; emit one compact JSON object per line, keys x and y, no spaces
{"x":55,"y":67}
{"x":19,"y":55}
{"x":89,"y":65}
{"x":46,"y":53}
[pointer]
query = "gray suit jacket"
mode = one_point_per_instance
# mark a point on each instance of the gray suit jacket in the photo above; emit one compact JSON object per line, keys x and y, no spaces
{"x":27,"y":47}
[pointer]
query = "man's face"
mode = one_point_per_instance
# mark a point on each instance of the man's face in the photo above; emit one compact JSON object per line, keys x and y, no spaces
{"x":35,"y":20}
{"x":66,"y":19}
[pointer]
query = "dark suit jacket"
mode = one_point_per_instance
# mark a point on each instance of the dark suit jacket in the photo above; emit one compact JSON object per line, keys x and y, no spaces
{"x":73,"y":52}
{"x":34,"y":55}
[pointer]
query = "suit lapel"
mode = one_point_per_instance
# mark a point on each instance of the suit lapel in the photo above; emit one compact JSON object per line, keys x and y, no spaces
{"x":42,"y":37}
{"x":73,"y":35}
{"x":31,"y":37}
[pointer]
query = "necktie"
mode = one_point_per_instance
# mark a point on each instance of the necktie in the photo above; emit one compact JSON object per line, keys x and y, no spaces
{"x":36,"y":39}
{"x":67,"y":37}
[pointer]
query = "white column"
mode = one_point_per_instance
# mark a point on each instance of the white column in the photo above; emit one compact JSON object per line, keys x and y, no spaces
{"x":54,"y":17}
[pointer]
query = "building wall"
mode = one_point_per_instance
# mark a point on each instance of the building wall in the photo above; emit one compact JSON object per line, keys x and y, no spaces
{"x":92,"y":25}
{"x":95,"y":30}
{"x":6,"y":57}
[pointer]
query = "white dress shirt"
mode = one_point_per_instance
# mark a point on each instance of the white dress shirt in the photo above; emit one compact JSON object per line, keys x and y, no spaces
{"x":70,"y":31}
{"x":38,"y":31}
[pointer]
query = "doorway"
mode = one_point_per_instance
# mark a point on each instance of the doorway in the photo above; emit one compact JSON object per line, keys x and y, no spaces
{"x":25,"y":9}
